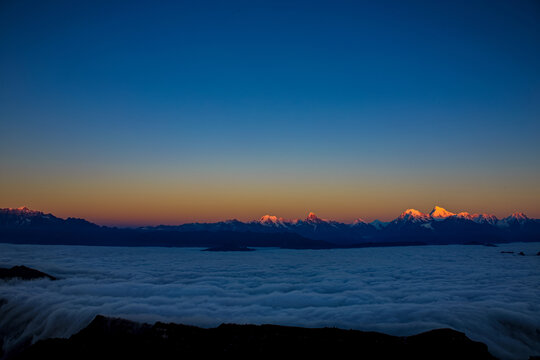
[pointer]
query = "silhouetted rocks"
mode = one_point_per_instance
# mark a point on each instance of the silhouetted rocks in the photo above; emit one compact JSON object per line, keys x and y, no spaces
{"x":121,"y":339}
{"x":538,"y":253}
{"x":507,"y":252}
{"x":521,"y":253}
{"x":23,"y":272}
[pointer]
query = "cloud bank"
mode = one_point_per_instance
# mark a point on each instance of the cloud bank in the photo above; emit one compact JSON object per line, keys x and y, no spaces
{"x":490,"y":296}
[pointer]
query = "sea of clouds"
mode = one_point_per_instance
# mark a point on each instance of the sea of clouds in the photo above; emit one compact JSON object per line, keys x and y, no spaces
{"x":490,"y":296}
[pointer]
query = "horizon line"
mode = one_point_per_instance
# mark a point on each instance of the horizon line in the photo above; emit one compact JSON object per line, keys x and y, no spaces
{"x":311,"y":215}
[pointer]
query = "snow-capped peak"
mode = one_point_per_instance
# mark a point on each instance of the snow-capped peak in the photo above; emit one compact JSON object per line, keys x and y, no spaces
{"x":313,"y":218}
{"x":413,"y":212}
{"x":19,"y":209}
{"x":23,"y":210}
{"x":485,"y":218}
{"x":519,"y":216}
{"x":440,"y":213}
{"x":465,"y":215}
{"x":413,"y":215}
{"x":479,"y":218}
{"x":268,"y":219}
{"x":516,"y":218}
{"x":271,"y":220}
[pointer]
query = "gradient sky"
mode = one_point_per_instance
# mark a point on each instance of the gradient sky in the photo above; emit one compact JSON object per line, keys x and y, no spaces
{"x":132,"y":113}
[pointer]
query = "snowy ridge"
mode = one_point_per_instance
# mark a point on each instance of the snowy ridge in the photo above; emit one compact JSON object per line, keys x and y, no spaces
{"x":412,"y":216}
{"x":439,"y":226}
{"x":485,"y":219}
{"x":408,"y":216}
{"x":516,"y":219}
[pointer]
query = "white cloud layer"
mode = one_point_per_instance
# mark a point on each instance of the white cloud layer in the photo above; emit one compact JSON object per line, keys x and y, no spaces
{"x":492,"y":297}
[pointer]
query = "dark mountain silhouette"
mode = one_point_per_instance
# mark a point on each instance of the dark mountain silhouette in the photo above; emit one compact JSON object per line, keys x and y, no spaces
{"x":24,"y":226}
{"x":24,"y":273}
{"x":110,"y":338}
{"x":412,"y":227}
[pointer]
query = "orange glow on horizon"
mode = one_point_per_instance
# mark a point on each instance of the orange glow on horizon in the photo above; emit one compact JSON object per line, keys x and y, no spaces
{"x":121,"y":199}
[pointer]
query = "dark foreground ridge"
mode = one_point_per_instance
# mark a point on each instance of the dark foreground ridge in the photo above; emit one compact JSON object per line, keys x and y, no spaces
{"x":23,"y":272}
{"x":123,"y":339}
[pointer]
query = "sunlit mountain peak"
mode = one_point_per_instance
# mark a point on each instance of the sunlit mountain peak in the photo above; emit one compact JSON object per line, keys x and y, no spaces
{"x":440,"y":213}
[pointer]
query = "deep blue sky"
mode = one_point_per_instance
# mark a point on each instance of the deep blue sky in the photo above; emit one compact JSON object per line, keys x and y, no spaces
{"x":373,"y":106}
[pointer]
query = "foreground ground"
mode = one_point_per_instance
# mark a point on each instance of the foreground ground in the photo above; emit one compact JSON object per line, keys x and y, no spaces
{"x":123,"y":339}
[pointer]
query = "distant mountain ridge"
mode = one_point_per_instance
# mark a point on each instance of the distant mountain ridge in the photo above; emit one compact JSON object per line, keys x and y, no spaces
{"x":408,"y":224}
{"x":23,"y":216}
{"x":439,"y":226}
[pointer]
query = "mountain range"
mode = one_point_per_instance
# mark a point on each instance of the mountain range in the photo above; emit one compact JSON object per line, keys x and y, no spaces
{"x":412,"y":227}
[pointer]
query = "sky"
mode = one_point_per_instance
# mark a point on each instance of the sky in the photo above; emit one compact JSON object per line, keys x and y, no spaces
{"x":132,"y":113}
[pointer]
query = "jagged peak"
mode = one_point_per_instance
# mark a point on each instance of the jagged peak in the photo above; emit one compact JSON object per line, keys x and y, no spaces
{"x":465,"y":215}
{"x":485,"y":216}
{"x":359,"y":221}
{"x":440,"y":213}
{"x":519,"y":215}
{"x":413,"y":215}
{"x":271,"y":220}
{"x":314,"y":219}
{"x":478,"y":218}
{"x":268,"y":218}
{"x":22,"y":210}
{"x":413,"y":212}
